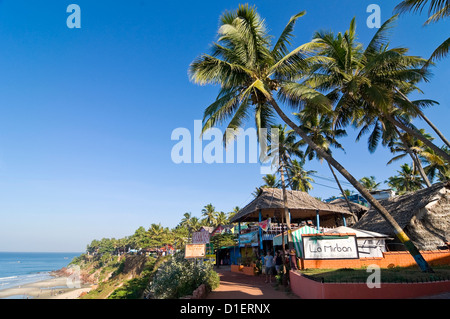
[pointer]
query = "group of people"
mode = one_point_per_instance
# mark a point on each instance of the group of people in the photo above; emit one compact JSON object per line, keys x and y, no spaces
{"x":273,"y":264}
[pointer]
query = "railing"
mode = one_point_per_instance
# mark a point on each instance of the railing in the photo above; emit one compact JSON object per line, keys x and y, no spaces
{"x":274,"y":229}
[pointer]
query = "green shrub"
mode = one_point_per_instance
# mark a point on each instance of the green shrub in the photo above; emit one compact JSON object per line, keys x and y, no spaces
{"x":179,"y":277}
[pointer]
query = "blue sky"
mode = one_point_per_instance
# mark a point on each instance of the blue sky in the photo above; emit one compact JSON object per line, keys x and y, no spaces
{"x":87,"y":114}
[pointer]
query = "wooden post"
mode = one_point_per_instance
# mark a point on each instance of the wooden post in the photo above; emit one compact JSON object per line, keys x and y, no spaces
{"x":261,"y":239}
{"x":239,"y":241}
{"x":317,"y":220}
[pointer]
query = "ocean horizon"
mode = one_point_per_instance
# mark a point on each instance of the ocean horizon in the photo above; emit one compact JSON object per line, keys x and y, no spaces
{"x":21,"y":268}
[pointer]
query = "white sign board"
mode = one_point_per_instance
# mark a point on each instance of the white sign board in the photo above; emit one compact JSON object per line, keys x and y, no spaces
{"x":195,"y":251}
{"x":330,"y":247}
{"x":201,"y":237}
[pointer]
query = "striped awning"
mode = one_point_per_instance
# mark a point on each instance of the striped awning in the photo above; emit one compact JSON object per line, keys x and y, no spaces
{"x":296,"y":238}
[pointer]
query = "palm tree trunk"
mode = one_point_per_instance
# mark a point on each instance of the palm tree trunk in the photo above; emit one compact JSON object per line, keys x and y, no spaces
{"x":420,"y":169}
{"x":438,"y":132}
{"x":286,"y":211}
{"x":342,"y":191}
{"x":421,"y":262}
{"x":419,"y":136}
{"x":416,"y":161}
{"x":426,"y":119}
{"x":284,"y":278}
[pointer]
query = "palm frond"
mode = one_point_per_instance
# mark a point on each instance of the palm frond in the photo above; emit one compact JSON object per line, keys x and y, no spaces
{"x":280,"y":48}
{"x":440,"y":52}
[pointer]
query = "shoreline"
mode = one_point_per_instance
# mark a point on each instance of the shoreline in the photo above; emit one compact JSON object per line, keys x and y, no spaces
{"x":53,"y":288}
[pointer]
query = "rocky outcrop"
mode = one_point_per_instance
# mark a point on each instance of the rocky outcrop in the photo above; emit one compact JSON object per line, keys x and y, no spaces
{"x":200,"y":293}
{"x":85,"y":277}
{"x":134,"y":265}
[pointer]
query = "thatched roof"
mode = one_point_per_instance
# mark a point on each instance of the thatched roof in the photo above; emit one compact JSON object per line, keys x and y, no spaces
{"x":343,"y":203}
{"x":358,"y":232}
{"x":402,"y":208}
{"x":300,"y":204}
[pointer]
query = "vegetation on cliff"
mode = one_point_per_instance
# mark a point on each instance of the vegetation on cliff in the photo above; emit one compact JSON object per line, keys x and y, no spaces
{"x":179,"y":277}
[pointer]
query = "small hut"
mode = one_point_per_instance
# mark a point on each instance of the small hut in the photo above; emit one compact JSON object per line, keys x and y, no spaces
{"x":301,"y":205}
{"x":423,"y":215}
{"x":357,"y":209}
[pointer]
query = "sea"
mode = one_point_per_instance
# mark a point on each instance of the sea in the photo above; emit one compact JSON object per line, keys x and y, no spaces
{"x":17,"y":269}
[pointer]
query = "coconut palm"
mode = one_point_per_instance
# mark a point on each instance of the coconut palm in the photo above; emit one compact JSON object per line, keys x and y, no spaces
{"x":286,"y":149}
{"x":406,"y":181}
{"x":370,"y":183}
{"x":408,"y":145}
{"x":186,"y":220}
{"x":255,"y":76}
{"x":158,"y":235}
{"x":209,"y":212}
{"x":370,"y":83}
{"x":437,"y":10}
{"x":270,"y":181}
{"x":220,"y":219}
{"x":258,"y":191}
{"x":319,"y":127}
{"x":436,"y":167}
{"x":300,"y":179}
{"x":348,"y":192}
{"x":195,"y":224}
{"x":235,"y":210}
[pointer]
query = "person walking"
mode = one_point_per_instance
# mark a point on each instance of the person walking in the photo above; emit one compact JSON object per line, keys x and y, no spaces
{"x":269,"y":261}
{"x":278,"y":262}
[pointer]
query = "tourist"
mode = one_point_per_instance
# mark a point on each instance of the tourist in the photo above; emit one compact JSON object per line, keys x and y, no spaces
{"x":278,"y":262}
{"x":269,"y":261}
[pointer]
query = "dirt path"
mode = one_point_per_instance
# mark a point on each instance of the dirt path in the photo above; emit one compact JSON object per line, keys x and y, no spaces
{"x":240,"y":286}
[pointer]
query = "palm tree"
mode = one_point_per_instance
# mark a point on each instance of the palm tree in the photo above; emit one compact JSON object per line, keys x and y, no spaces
{"x":406,"y":181}
{"x":286,"y":149}
{"x":299,"y":178}
{"x":371,"y":82}
{"x":195,"y":224}
{"x":158,"y":235}
{"x":413,"y":147}
{"x":437,"y":10}
{"x":250,"y":71}
{"x":257,"y":191}
{"x":180,"y":237}
{"x":220,"y":219}
{"x":370,"y":183}
{"x":270,"y":181}
{"x":347,"y":192}
{"x":186,"y":221}
{"x":209,"y":212}
{"x":235,"y":210}
{"x":319,"y":127}
{"x":437,"y":167}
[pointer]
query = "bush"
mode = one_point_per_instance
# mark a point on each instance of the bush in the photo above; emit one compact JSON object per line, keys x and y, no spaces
{"x":179,"y":277}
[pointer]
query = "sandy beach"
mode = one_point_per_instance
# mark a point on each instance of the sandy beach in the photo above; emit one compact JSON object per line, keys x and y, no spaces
{"x":54,"y":288}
